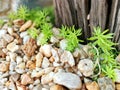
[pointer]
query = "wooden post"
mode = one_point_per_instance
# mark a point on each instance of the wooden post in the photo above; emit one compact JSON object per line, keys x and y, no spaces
{"x":103,"y":13}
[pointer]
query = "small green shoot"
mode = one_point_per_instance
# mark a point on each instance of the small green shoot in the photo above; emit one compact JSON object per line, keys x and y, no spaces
{"x":1,"y":22}
{"x":71,"y":35}
{"x":106,"y":61}
{"x":102,"y":40}
{"x":33,"y":33}
{"x":47,"y":33}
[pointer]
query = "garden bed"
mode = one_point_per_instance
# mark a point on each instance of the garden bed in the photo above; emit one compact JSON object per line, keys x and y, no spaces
{"x":34,"y":55}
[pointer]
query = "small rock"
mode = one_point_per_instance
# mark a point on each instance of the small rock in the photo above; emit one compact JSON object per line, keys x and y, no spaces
{"x":117,"y":73}
{"x":12,"y":56}
{"x":3,"y":43}
{"x":7,"y":38}
{"x":36,"y":82}
{"x":12,"y":86}
{"x":92,"y":86}
{"x":76,"y":53}
{"x":57,"y":87}
{"x":37,"y":73}
{"x":20,"y":86}
{"x":30,"y":65}
{"x":55,"y":55}
{"x":54,"y":40}
{"x":106,"y":83}
{"x":67,"y":57}
{"x":26,"y":79}
{"x":51,"y":59}
{"x":19,"y":59}
{"x":56,"y":32}
{"x":86,"y":67}
{"x":26,"y":39}
{"x":4,"y":66}
{"x":19,"y":70}
{"x":118,"y":58}
{"x":38,"y":87}
{"x":63,"y":44}
{"x":23,"y":34}
{"x":2,"y":54}
{"x":15,"y":77}
{"x":69,"y":80}
{"x":25,"y":26}
{"x":45,"y":79}
{"x":12,"y":47}
{"x":48,"y":70}
{"x":18,"y":22}
{"x":39,"y":58}
{"x":46,"y":50}
{"x":45,"y":62}
{"x":2,"y":32}
{"x":21,"y":65}
{"x":10,"y":30}
{"x":117,"y":86}
{"x":13,"y":64}
{"x":30,"y":47}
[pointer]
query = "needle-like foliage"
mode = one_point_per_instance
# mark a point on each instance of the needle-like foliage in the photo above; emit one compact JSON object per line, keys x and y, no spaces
{"x":71,"y":35}
{"x":103,"y":42}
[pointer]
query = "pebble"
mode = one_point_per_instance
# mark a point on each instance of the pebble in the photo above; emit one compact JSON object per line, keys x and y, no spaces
{"x":15,"y":77}
{"x":21,"y":65}
{"x":56,"y":32}
{"x":92,"y":86}
{"x":13,"y":64}
{"x":106,"y":83}
{"x":39,"y":59}
{"x":25,"y":26}
{"x":12,"y":86}
{"x":45,"y":62}
{"x":19,"y":59}
{"x":12,"y":56}
{"x":63,"y":44}
{"x":3,"y":43}
{"x":36,"y":82}
{"x":4,"y":66}
{"x":23,"y":34}
{"x":54,"y":40}
{"x":55,"y":55}
{"x":7,"y":38}
{"x":57,"y":87}
{"x":67,"y":57}
{"x":20,"y":86}
{"x":45,"y":79}
{"x":117,"y":86}
{"x":30,"y":65}
{"x":37,"y":87}
{"x":26,"y":79}
{"x":117,"y":73}
{"x":118,"y":58}
{"x":10,"y":30}
{"x":69,"y":80}
{"x":46,"y":50}
{"x":25,"y":39}
{"x":86,"y":67}
{"x":12,"y":47}
{"x":2,"y":32}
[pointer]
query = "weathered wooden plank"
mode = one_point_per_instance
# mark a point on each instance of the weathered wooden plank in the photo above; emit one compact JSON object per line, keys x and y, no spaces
{"x":82,"y":12}
{"x":113,"y":15}
{"x":98,"y":13}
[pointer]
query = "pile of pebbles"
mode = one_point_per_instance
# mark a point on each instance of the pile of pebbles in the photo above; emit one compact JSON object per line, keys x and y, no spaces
{"x":26,"y":65}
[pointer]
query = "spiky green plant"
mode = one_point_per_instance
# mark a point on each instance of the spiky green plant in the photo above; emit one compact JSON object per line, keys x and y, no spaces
{"x":47,"y":33}
{"x":33,"y":32}
{"x":71,"y":35}
{"x":106,"y":62}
